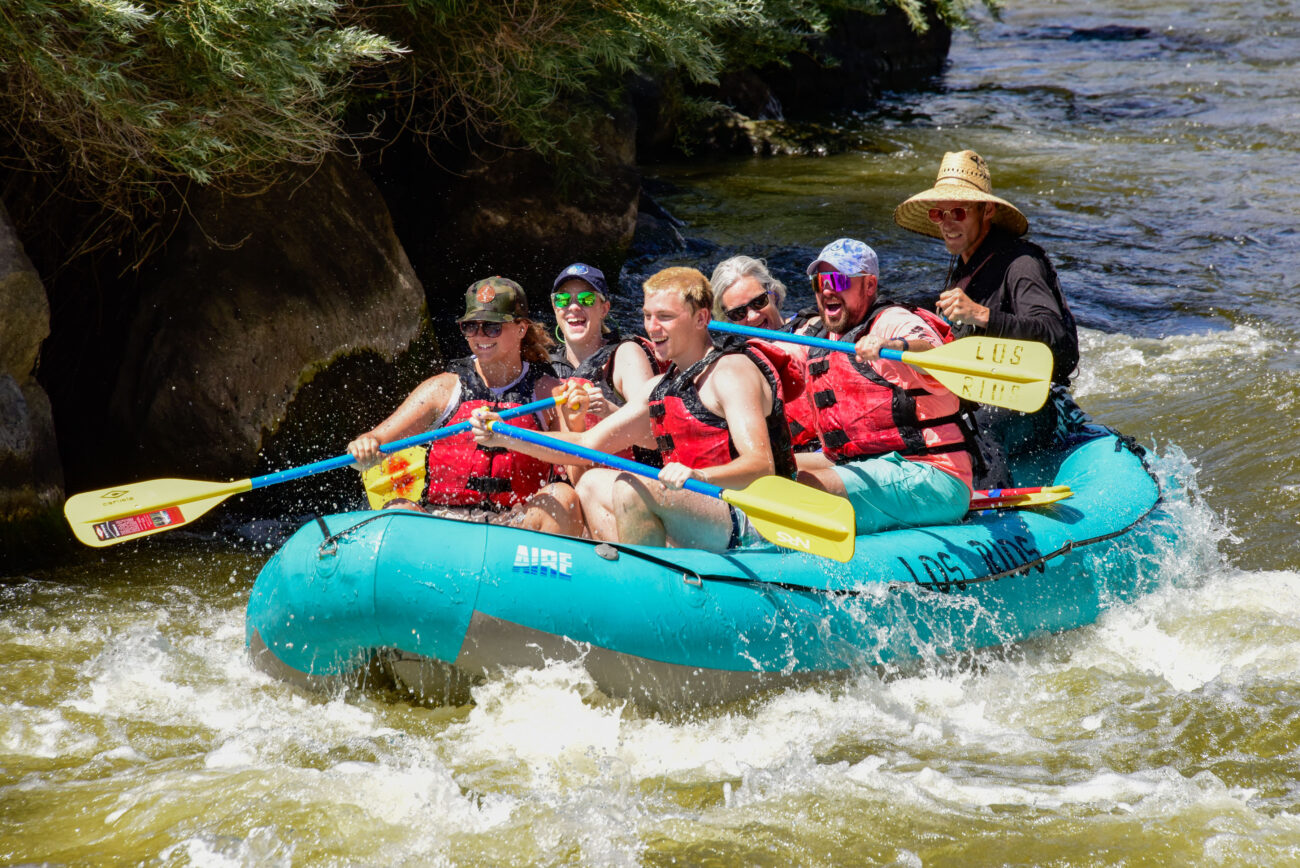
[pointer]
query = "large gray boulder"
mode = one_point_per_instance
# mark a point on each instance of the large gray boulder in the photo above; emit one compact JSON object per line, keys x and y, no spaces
{"x":31,"y":476}
{"x":510,"y":212}
{"x":253,"y":298}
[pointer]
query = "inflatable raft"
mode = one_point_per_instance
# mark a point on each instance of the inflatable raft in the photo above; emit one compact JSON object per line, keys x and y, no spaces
{"x":433,"y":604}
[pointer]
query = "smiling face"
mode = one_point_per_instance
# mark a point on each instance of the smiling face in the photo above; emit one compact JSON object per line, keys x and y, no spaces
{"x":577,"y":322}
{"x":504,"y":348}
{"x":745,"y":290}
{"x":841,"y":311}
{"x":673,"y":325}
{"x":962,"y":237}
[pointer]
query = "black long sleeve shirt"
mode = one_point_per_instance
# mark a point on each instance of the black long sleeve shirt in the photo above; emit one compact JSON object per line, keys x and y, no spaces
{"x":1014,"y":279}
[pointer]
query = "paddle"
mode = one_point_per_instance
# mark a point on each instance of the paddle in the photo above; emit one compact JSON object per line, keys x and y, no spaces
{"x":783,"y":511}
{"x":112,"y":515}
{"x":1016,"y":498}
{"x":400,"y":474}
{"x":998,"y":371}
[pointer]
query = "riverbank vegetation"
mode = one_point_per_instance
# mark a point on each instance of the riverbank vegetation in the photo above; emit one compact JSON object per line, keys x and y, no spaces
{"x":122,"y":101}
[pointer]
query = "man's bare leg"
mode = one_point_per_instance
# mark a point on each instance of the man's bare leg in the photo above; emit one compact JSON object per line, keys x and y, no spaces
{"x":648,"y":513}
{"x":816,"y":470}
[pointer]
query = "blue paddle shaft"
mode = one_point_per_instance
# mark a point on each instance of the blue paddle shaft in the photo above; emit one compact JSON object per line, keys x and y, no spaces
{"x":395,"y":446}
{"x":786,"y":337}
{"x":598,"y":457}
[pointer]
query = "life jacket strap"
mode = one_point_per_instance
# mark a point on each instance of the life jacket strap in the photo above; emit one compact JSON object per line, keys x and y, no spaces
{"x":488,"y":484}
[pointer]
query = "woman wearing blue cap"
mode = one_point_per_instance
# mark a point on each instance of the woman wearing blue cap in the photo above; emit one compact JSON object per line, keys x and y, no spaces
{"x":592,"y":351}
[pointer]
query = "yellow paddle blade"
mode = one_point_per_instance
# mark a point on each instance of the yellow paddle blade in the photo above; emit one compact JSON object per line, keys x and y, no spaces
{"x":998,"y":371}
{"x":1048,"y":495}
{"x":400,"y":474}
{"x":797,"y":516}
{"x":114,"y":515}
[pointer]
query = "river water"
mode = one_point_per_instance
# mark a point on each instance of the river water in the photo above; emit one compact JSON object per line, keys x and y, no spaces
{"x":1156,"y":160}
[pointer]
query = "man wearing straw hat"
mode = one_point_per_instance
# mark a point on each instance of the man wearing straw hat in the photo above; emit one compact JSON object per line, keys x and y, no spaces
{"x":998,"y":284}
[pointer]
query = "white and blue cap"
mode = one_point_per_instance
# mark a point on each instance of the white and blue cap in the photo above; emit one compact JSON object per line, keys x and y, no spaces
{"x":847,"y":256}
{"x":588,"y":274}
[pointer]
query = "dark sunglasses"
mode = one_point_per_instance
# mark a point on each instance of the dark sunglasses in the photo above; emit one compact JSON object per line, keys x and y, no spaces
{"x":832,"y":280}
{"x":469,"y":328}
{"x":586,"y":298}
{"x":757,"y":303}
{"x":937,"y":214}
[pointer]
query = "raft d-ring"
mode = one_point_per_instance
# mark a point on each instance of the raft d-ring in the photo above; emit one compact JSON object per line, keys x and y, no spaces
{"x":329,"y":546}
{"x":697,"y":581}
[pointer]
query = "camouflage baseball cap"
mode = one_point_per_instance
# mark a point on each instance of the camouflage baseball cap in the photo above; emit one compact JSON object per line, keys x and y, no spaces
{"x":495,"y":299}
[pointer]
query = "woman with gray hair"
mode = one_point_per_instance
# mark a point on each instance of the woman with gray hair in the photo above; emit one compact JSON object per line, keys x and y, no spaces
{"x":745,"y":292}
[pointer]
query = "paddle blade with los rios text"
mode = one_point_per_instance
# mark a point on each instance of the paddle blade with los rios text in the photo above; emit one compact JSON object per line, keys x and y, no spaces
{"x":1006,"y":373}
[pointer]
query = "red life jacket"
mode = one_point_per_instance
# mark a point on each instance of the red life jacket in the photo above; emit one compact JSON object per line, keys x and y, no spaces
{"x":689,"y":433}
{"x":861,"y":414}
{"x":801,"y":416}
{"x":800,"y":413}
{"x":462,"y":473}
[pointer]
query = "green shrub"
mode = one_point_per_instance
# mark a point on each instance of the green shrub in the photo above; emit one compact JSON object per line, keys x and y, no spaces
{"x":127,"y":96}
{"x":529,"y":72}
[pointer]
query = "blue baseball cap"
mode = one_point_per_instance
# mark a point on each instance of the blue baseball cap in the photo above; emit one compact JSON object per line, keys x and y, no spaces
{"x":847,"y":256}
{"x":588,"y":274}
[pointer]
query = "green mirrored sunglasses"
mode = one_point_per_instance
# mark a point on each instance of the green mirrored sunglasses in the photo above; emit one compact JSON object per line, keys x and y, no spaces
{"x":586,"y":298}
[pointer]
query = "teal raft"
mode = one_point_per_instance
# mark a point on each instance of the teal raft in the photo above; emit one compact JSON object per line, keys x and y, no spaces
{"x":432,"y":604}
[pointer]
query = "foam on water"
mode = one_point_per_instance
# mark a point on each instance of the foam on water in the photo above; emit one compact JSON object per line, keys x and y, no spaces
{"x":544,"y":767}
{"x":1116,"y":359}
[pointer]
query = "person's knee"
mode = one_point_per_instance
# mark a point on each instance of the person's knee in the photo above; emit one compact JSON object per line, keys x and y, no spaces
{"x":818,"y":479}
{"x":628,"y":494}
{"x":588,"y":488}
{"x":568,"y":504}
{"x":554,"y":509}
{"x":635,"y":512}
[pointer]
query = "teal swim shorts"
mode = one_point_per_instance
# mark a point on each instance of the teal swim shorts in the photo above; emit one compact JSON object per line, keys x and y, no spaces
{"x":889,"y":491}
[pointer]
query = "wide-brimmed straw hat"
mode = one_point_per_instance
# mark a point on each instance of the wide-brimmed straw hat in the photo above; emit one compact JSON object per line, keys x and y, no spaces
{"x":963,"y":177}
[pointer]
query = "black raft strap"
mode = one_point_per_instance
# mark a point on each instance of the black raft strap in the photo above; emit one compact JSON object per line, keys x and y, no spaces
{"x":665,"y":443}
{"x":823,"y":399}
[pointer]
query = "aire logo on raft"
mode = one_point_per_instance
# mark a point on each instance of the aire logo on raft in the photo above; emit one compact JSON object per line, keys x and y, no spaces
{"x":543,"y":562}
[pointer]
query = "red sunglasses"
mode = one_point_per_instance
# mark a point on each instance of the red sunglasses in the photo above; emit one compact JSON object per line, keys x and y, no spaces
{"x":937,"y":214}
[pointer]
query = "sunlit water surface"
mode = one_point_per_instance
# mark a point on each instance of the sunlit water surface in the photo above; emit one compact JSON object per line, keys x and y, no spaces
{"x":1158,"y":169}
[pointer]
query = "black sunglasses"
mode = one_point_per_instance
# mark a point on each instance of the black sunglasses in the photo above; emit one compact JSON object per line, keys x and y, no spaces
{"x":757,"y":303}
{"x":469,"y":328}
